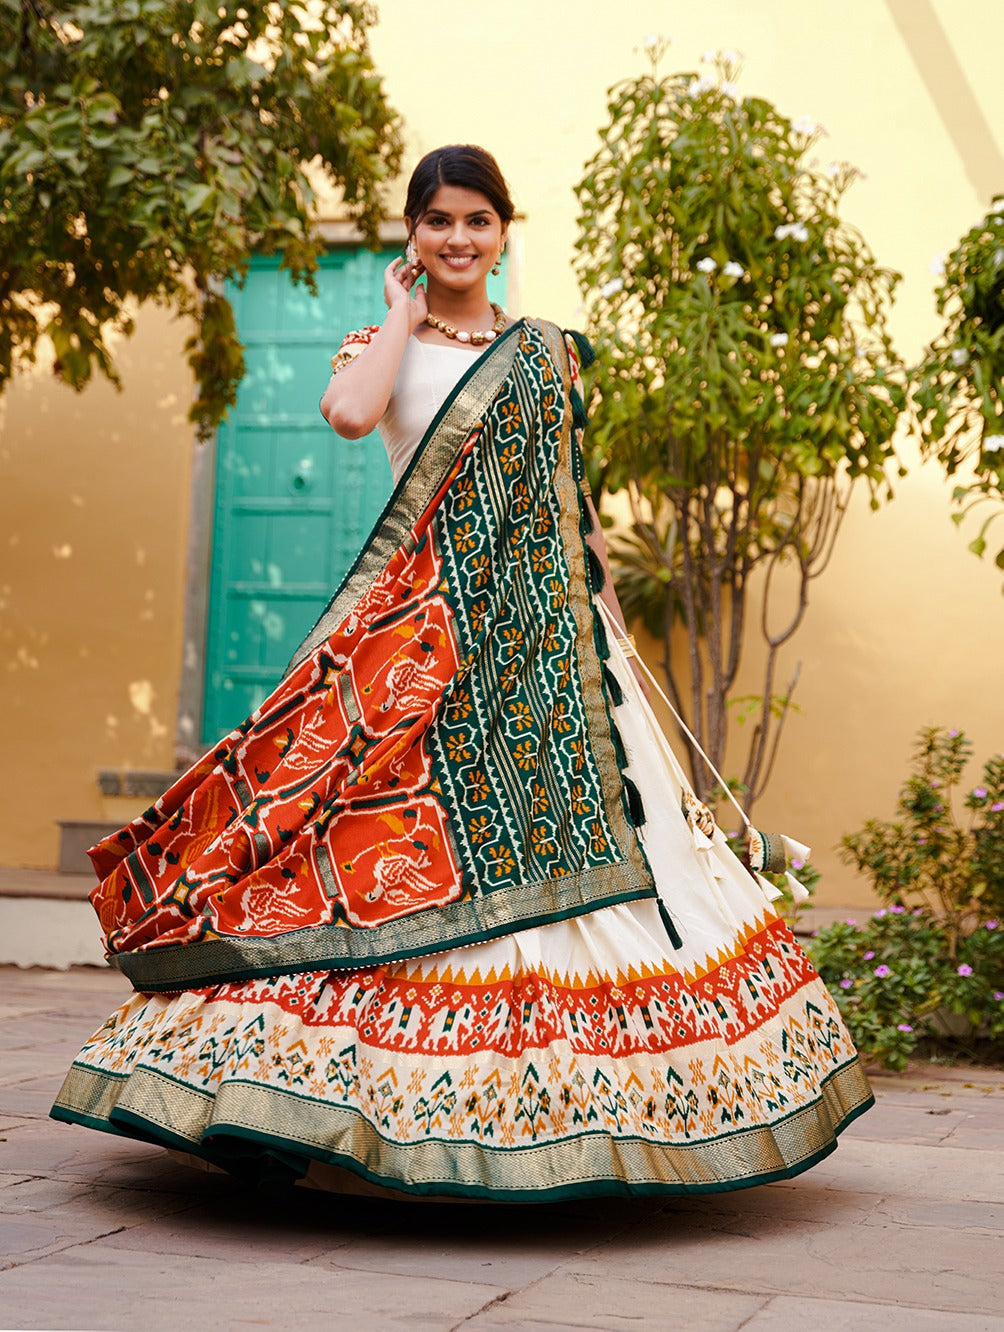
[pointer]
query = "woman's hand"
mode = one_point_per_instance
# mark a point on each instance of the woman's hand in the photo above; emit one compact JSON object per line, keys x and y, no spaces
{"x":399,"y":289}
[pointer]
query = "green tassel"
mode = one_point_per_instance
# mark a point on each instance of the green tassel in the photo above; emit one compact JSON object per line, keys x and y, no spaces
{"x":614,"y":690}
{"x":587,"y":520}
{"x":619,"y":750}
{"x":585,"y":348}
{"x":667,"y":920}
{"x":596,"y":575}
{"x":579,"y":418}
{"x":600,"y":635}
{"x":636,"y":807}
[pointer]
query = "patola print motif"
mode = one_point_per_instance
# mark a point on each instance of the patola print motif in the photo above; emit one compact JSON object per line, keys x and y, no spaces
{"x":447,"y":743}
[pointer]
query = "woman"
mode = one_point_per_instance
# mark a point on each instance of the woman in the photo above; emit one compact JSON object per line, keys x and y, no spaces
{"x":443,"y":917}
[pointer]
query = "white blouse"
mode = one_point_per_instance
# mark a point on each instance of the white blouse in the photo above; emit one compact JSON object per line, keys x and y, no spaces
{"x":428,"y":373}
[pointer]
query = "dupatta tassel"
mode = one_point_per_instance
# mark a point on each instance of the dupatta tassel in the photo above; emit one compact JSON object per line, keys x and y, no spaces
{"x":614,"y":691}
{"x":636,"y":807}
{"x":667,"y":920}
{"x":597,"y":578}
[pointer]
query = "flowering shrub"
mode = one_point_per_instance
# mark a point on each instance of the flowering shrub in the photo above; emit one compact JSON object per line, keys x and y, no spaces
{"x":929,"y":965}
{"x":959,"y":396}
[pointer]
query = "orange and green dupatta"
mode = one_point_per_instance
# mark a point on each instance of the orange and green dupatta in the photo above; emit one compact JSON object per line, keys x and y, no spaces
{"x":439,"y":764}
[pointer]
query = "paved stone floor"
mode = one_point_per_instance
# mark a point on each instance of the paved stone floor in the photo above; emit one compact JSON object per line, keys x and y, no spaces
{"x":899,"y":1230}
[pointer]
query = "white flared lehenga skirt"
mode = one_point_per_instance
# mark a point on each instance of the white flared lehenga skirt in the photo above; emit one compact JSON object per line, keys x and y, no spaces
{"x":585,"y":1057}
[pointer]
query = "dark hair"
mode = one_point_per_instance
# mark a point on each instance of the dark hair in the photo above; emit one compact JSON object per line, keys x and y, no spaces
{"x":461,"y":164}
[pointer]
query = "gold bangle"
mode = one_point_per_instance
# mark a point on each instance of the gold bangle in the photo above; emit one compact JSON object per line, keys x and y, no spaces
{"x":628,"y":645}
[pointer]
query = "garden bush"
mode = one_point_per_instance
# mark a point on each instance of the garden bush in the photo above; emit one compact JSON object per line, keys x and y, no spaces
{"x":925,"y":974}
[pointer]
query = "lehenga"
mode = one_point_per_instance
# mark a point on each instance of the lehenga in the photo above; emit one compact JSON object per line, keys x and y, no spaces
{"x":443,"y":916}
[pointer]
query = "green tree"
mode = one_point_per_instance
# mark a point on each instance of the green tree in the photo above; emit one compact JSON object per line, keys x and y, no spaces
{"x":745,"y":379}
{"x":148,"y":146}
{"x":959,"y":396}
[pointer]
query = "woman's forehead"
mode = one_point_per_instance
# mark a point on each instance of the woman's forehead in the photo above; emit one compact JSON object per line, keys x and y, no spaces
{"x":459,"y":201}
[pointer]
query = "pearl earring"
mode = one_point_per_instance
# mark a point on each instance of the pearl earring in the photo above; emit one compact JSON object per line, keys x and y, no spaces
{"x":411,"y":253}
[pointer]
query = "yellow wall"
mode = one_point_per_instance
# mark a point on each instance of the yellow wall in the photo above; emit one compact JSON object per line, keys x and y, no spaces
{"x":905,"y":628}
{"x":93,"y":515}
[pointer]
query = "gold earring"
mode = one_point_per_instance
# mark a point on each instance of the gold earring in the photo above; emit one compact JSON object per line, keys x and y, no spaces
{"x":497,"y":266}
{"x":411,"y":253}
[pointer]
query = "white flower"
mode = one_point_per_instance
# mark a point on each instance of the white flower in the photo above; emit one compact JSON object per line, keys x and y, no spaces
{"x":612,"y":287}
{"x":697,"y":87}
{"x":796,"y":230}
{"x":804,"y":125}
{"x":730,"y":90}
{"x":959,"y":356}
{"x":732,"y":269}
{"x":709,"y":57}
{"x":993,"y":443}
{"x":707,"y":264}
{"x":779,"y":339}
{"x":654,"y":39}
{"x":732,"y":57}
{"x":937,"y":266}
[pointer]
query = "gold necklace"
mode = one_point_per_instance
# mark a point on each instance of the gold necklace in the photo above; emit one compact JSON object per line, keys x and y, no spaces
{"x":476,"y":338}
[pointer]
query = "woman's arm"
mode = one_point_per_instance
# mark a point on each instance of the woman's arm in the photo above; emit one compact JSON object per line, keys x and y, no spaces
{"x":357,"y":396}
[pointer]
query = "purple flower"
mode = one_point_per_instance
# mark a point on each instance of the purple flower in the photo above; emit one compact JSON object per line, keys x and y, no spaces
{"x":850,"y":922}
{"x":882,"y":971}
{"x":953,"y":733}
{"x":897,"y":910}
{"x":997,"y":806}
{"x":999,"y":995}
{"x":934,"y":783}
{"x":798,"y":864}
{"x":846,"y":984}
{"x":990,"y":924}
{"x":965,"y":969}
{"x":979,"y":792}
{"x":904,"y":1026}
{"x":918,"y":911}
{"x":869,"y":955}
{"x":880,"y":913}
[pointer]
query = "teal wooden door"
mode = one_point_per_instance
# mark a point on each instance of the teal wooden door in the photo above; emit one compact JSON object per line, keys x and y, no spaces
{"x":293,"y":502}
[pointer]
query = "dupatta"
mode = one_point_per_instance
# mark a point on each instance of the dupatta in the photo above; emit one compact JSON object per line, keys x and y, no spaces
{"x":439,"y":764}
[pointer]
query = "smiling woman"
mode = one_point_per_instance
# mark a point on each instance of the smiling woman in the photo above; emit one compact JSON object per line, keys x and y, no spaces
{"x":443,"y":916}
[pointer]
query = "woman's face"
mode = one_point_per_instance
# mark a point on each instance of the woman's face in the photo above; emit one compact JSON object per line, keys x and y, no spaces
{"x":458,"y":238}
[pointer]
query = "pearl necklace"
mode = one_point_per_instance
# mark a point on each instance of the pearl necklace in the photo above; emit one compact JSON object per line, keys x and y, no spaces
{"x":476,"y":338}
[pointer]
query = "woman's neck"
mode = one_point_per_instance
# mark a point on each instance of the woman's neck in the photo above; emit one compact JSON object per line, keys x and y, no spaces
{"x":464,"y":309}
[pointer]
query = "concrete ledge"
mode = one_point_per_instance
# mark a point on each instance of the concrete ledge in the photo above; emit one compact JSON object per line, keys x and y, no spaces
{"x":47,"y":883}
{"x":48,"y":932}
